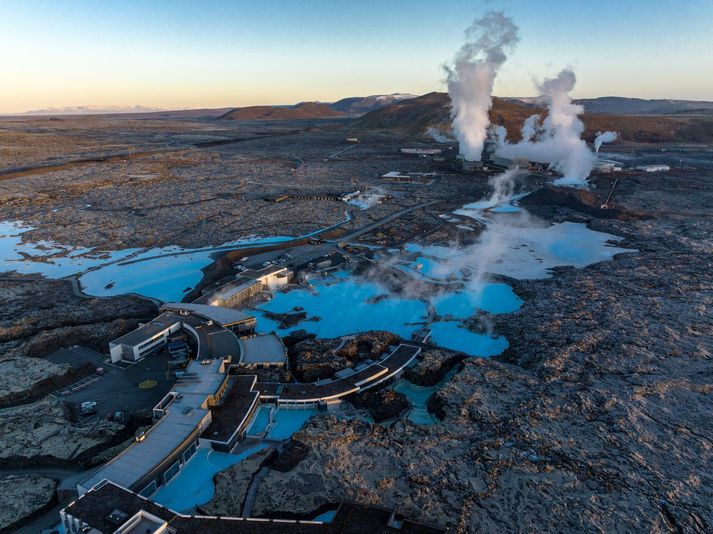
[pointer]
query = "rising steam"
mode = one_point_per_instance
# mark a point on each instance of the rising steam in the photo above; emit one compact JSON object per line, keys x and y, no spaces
{"x":438,"y":136}
{"x":472,"y":75}
{"x":559,"y":140}
{"x":603,"y":137}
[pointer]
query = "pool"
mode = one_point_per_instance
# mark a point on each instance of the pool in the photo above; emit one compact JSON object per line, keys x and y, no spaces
{"x":193,"y":484}
{"x":492,"y":298}
{"x":260,"y":422}
{"x":344,"y":305}
{"x":454,"y":336}
{"x":419,"y":395}
{"x":288,"y":421}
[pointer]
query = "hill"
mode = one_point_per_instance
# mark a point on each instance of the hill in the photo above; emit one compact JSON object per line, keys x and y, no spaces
{"x":358,"y":105}
{"x":415,"y":116}
{"x":637,"y":106}
{"x":305,"y":110}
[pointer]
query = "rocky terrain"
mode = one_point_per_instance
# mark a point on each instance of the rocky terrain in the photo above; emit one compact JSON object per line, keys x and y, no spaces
{"x":233,"y":483}
{"x":382,"y":404}
{"x":598,"y":418}
{"x":432,"y":367}
{"x":41,"y":433}
{"x":23,"y":497}
{"x":52,"y":316}
{"x":313,"y":359}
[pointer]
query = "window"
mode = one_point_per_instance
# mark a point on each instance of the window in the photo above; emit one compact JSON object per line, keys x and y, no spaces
{"x":148,"y":490}
{"x":171,"y":472}
{"x":190,"y":451}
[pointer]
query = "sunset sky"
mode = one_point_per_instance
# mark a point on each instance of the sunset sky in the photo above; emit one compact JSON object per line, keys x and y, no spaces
{"x":176,"y":54}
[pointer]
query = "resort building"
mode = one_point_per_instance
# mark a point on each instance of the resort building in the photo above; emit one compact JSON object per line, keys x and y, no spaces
{"x":213,"y":328}
{"x":264,"y":351}
{"x":111,"y":508}
{"x":135,"y":345}
{"x":182,"y":416}
{"x":346,"y":382}
{"x":246,"y":285}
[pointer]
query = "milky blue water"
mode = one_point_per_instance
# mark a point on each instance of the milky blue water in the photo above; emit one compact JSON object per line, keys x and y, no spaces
{"x":418,"y":397}
{"x":343,"y":307}
{"x":37,"y":258}
{"x":288,"y":421}
{"x":193,"y":485}
{"x":262,"y":419}
{"x":429,"y":267}
{"x":163,"y":273}
{"x":526,"y":251}
{"x":454,"y":336}
{"x":326,"y":517}
{"x":491,"y":297}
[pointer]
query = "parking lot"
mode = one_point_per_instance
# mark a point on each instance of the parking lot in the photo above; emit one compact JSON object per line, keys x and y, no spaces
{"x":115,"y":388}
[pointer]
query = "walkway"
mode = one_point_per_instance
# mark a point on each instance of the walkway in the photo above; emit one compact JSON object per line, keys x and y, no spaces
{"x":373,"y":226}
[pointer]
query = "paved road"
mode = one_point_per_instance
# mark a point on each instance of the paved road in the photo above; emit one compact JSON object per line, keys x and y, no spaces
{"x":381,"y":222}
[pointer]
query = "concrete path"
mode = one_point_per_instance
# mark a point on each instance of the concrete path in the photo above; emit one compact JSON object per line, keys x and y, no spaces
{"x":373,"y":226}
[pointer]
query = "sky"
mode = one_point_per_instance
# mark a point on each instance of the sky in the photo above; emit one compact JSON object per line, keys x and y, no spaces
{"x":181,"y":54}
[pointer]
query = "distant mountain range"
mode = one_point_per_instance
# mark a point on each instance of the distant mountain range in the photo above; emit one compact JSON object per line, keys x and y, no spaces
{"x":620,"y":105}
{"x":354,"y":105}
{"x":304,"y":110}
{"x":416,"y":116}
{"x":358,"y":105}
{"x":92,"y":110}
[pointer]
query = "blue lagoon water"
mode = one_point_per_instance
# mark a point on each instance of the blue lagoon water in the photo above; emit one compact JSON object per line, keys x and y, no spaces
{"x":288,"y":421}
{"x":454,"y":336}
{"x":344,"y":305}
{"x":193,"y":484}
{"x":490,"y":297}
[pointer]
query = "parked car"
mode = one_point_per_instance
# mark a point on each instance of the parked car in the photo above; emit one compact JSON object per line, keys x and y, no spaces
{"x":140,"y":437}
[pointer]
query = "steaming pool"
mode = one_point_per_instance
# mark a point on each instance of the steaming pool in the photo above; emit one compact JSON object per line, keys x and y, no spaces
{"x":342,"y":304}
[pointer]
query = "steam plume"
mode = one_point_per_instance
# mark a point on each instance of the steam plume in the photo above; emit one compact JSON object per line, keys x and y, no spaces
{"x":603,"y":137}
{"x":559,"y":140}
{"x":530,"y":127}
{"x":471,"y":78}
{"x":437,"y":135}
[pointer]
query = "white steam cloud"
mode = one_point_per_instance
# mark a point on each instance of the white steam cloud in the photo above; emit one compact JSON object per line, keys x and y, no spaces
{"x":603,"y":137}
{"x":530,"y":127}
{"x":472,"y":75}
{"x":559,"y":140}
{"x":438,"y":136}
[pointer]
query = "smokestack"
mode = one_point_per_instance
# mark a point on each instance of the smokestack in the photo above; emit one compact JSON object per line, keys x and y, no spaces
{"x":472,"y":75}
{"x":604,"y":137}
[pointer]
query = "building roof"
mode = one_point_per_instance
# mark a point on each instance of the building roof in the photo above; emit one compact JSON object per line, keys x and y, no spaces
{"x":217,"y":314}
{"x":95,"y":507}
{"x":164,"y":321}
{"x":259,"y":273}
{"x":231,"y":414}
{"x":263,"y":349}
{"x":182,"y":417}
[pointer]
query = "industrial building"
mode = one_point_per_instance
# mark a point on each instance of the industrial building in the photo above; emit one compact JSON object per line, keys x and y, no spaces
{"x":410,"y":177}
{"x":421,"y":151}
{"x":653,"y":168}
{"x":607,"y":165}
